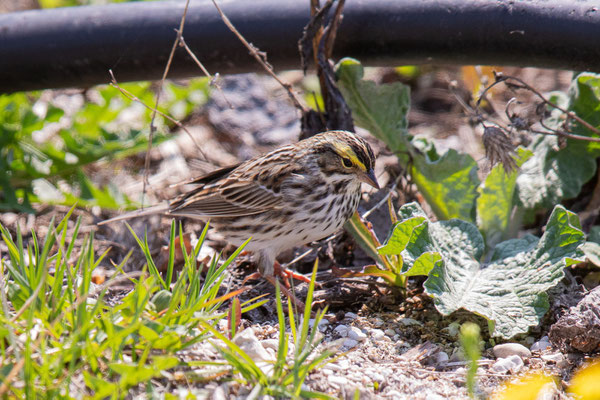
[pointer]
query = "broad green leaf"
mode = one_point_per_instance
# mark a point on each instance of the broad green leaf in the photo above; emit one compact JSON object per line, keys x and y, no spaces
{"x":555,"y":173}
{"x":409,"y":239}
{"x":496,"y":199}
{"x":448,"y":182}
{"x":510,"y":290}
{"x":381,"y":109}
{"x":402,"y":231}
{"x":552,"y":175}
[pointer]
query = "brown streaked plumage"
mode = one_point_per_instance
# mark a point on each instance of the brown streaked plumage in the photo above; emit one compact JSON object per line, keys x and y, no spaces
{"x":293,"y":195}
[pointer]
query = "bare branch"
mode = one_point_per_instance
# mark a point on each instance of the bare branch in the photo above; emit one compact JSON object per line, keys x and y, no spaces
{"x":133,"y":97}
{"x":261,"y":58}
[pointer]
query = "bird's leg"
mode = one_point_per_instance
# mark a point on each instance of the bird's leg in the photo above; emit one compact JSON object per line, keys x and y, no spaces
{"x":286,"y":274}
{"x":280,"y":272}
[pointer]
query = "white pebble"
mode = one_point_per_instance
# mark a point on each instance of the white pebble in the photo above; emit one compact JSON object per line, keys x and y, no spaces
{"x":377,"y":334}
{"x":512,"y":364}
{"x":356,"y":334}
{"x":434,"y":396}
{"x":377,"y":377}
{"x":393,"y":394}
{"x":337,"y":380}
{"x":540,"y":345}
{"x":508,"y":349}
{"x":555,"y":357}
{"x":327,"y":371}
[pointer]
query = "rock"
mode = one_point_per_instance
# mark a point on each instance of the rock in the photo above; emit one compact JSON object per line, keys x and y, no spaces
{"x":579,"y":328}
{"x":377,"y":377}
{"x":350,"y":343}
{"x":540,"y":345}
{"x":219,"y":394}
{"x":553,"y":358}
{"x":341,"y":330}
{"x":378,"y":323}
{"x":434,"y":396}
{"x":508,"y":349}
{"x":390,"y":332}
{"x":441,"y":358}
{"x":248,"y":342}
{"x":394,"y":394}
{"x":327,"y":371}
{"x":377,"y":334}
{"x":272,"y":344}
{"x":409,"y":322}
{"x":337,"y":381}
{"x":356,"y":334}
{"x":350,"y":315}
{"x":512,"y":364}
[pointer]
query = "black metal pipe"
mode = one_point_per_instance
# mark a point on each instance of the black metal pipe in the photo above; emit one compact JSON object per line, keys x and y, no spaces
{"x":75,"y":47}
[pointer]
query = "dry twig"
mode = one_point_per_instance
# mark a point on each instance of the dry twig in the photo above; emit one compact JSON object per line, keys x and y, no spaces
{"x":261,"y":57}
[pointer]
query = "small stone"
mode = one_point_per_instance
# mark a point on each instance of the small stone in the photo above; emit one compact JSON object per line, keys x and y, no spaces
{"x":553,"y":358}
{"x":512,"y":364}
{"x":434,"y":396}
{"x":541,"y":345}
{"x":377,"y":322}
{"x":219,"y":394}
{"x":356,"y":334}
{"x":409,"y":322}
{"x":350,"y":315}
{"x":248,"y":342}
{"x":390,"y":332}
{"x":327,"y":371}
{"x":377,"y":377}
{"x":350,"y":343}
{"x":377,"y":334}
{"x":341,"y":330}
{"x":337,"y":380}
{"x":441,"y":358}
{"x":508,"y":349}
{"x":393,"y":394}
{"x":272,"y":344}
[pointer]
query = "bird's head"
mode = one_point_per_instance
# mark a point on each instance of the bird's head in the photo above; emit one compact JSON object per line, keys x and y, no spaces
{"x":345,"y":153}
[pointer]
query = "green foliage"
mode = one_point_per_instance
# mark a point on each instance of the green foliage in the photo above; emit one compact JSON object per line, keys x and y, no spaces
{"x":59,"y":325}
{"x":447,"y":181}
{"x":496,"y":200}
{"x":557,"y":172}
{"x":470,"y":341}
{"x":382,"y":109}
{"x":44,"y":149}
{"x":510,"y":289}
{"x":288,"y":372}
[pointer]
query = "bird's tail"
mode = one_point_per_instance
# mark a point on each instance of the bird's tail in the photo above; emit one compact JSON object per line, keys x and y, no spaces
{"x":158,"y":209}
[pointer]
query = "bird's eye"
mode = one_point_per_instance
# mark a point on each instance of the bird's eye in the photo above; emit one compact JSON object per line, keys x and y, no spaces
{"x":347,"y":163}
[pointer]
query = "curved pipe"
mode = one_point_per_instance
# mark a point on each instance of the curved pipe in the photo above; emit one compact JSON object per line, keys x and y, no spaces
{"x":75,"y":47}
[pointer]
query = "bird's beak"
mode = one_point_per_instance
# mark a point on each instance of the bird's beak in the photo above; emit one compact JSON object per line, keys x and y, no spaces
{"x":369,"y":178}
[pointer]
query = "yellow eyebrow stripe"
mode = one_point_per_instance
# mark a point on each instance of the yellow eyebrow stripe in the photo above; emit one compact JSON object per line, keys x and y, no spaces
{"x":346,"y":151}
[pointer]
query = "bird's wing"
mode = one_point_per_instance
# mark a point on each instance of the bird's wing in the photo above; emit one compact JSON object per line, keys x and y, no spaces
{"x":233,"y":197}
